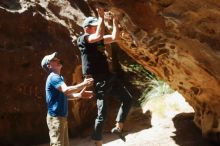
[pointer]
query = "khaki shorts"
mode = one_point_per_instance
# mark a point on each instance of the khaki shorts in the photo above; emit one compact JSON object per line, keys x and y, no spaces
{"x":58,"y":131}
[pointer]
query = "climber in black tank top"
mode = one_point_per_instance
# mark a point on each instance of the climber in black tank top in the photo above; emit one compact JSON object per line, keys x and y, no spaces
{"x":94,"y":64}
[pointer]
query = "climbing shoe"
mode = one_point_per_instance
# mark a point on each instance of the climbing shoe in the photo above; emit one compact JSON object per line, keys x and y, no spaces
{"x":118,"y":132}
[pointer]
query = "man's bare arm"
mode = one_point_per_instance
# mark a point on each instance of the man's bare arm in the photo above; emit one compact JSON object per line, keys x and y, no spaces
{"x":83,"y":94}
{"x":115,"y":33}
{"x":76,"y":88}
{"x":100,"y":28}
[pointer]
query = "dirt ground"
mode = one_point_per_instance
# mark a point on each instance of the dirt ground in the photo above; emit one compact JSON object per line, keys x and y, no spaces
{"x":173,"y":127}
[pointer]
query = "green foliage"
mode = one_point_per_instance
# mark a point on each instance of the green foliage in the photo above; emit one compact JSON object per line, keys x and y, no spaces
{"x":137,"y":68}
{"x":151,"y":85}
{"x":155,"y":89}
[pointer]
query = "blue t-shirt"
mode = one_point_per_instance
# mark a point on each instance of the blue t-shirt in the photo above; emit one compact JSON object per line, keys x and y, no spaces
{"x":56,"y":100}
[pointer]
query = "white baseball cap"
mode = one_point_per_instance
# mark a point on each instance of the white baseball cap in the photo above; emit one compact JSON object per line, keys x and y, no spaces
{"x":45,"y":61}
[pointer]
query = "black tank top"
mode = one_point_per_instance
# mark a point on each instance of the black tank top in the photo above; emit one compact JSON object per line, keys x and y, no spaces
{"x":94,"y":61}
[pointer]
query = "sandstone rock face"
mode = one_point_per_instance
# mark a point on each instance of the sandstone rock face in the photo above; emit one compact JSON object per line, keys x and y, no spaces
{"x":179,"y":41}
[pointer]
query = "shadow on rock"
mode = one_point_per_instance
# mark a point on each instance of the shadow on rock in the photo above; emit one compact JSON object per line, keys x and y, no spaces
{"x":136,"y":121}
{"x":187,"y":134}
{"x":11,"y":4}
{"x":82,"y":5}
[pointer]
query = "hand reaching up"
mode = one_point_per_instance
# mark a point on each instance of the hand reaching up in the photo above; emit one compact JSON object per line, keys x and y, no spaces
{"x":100,"y":12}
{"x":115,"y":20}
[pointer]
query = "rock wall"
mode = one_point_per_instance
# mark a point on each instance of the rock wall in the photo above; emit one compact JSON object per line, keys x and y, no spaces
{"x":176,"y":40}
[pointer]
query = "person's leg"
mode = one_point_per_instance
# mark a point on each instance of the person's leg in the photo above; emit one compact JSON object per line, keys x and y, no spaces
{"x":123,"y":111}
{"x":125,"y":98}
{"x":101,"y":115}
{"x":99,"y":122}
{"x":55,"y":127}
{"x":126,"y":102}
{"x":66,"y":133}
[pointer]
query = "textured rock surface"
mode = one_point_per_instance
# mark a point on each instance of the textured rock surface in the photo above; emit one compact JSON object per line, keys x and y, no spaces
{"x":176,"y":40}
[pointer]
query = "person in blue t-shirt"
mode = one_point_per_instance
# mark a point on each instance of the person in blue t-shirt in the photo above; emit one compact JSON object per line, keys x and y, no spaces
{"x":57,"y":94}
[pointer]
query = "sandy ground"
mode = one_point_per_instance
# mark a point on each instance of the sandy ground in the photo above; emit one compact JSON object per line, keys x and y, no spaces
{"x":169,"y":123}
